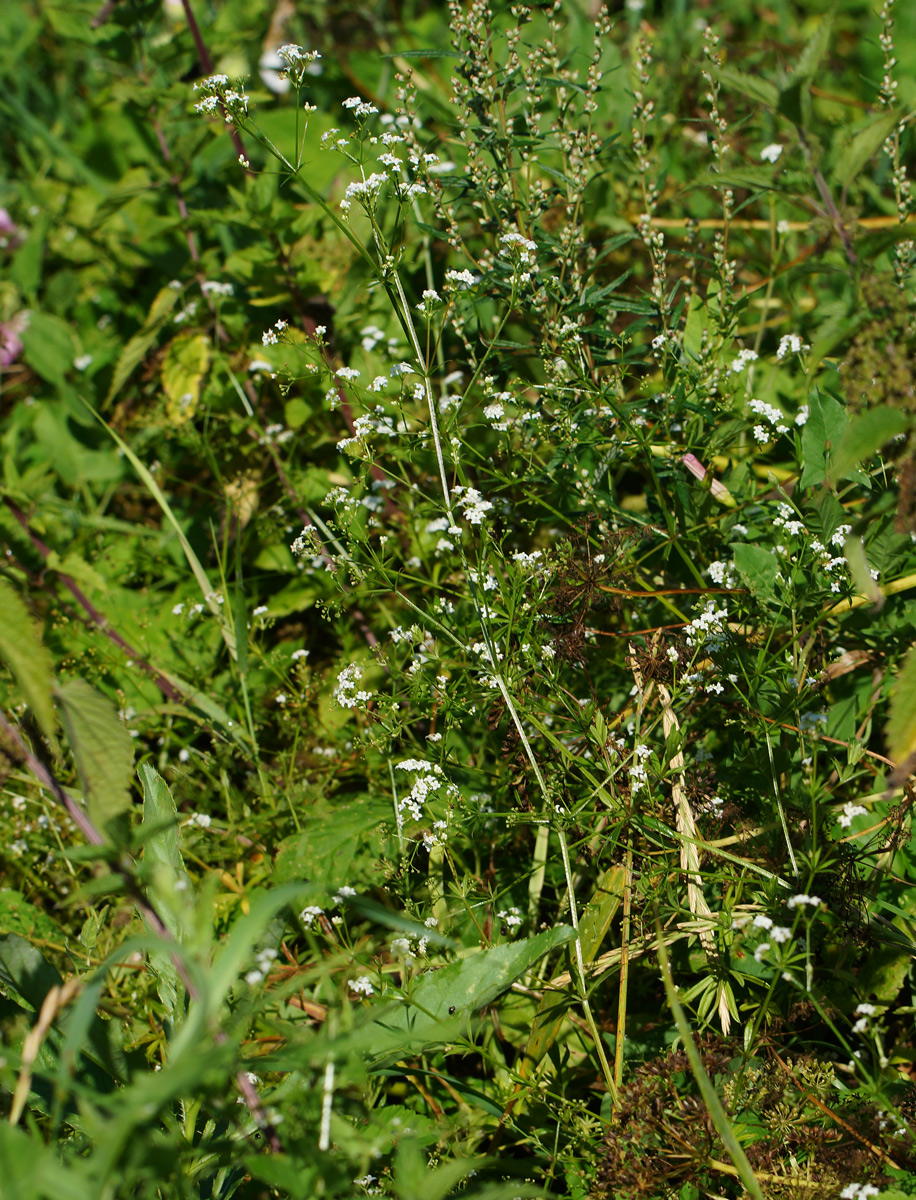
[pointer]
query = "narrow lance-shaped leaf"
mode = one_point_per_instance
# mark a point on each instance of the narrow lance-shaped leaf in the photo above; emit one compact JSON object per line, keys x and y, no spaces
{"x":27,"y":657}
{"x":705,"y":1084}
{"x":864,"y":145}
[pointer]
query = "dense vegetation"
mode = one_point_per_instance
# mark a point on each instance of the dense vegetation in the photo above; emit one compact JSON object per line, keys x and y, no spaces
{"x":457,"y":696}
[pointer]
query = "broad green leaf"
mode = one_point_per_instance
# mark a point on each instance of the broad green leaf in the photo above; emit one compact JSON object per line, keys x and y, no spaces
{"x":18,"y":915}
{"x":441,"y":1000}
{"x":900,"y":731}
{"x":330,"y":840}
{"x":758,"y":569}
{"x":102,"y":749}
{"x":761,"y":91}
{"x":79,"y":571}
{"x":29,"y":660}
{"x":698,"y":322}
{"x":25,"y":971}
{"x":865,"y":436}
{"x":49,"y":346}
{"x":135,"y":350}
{"x":822,"y":434}
{"x":183,"y":370}
{"x":864,"y":145}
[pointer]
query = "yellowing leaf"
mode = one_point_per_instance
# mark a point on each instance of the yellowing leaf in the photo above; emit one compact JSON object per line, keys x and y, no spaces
{"x":901,"y":724}
{"x":183,"y":369}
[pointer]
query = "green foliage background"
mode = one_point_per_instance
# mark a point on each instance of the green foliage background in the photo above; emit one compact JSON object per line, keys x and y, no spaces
{"x":604,"y":886}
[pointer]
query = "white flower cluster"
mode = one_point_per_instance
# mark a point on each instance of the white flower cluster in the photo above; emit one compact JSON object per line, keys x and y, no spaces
{"x":785,"y":519}
{"x":306,"y":542}
{"x":460,"y":281}
{"x":428,"y":783}
{"x":347,"y":692}
{"x":361,"y":986}
{"x":723,"y":574}
{"x":270,"y":337}
{"x":517,"y":247}
{"x":369,"y":423}
{"x":863,"y":1012}
{"x":802,"y":899}
{"x":744,"y":359}
{"x":511,"y":917}
{"x":771,"y":153}
{"x":771,"y":414}
{"x":639,"y":778}
{"x":474,"y":505}
{"x":790,"y":343}
{"x":359,"y":107}
{"x":859,"y":1191}
{"x":709,"y":629}
{"x":403,"y":948}
{"x":263,"y":959}
{"x":529,"y":561}
{"x":850,"y":810}
{"x":295,"y":64}
{"x":364,"y":190}
{"x":216,"y":93}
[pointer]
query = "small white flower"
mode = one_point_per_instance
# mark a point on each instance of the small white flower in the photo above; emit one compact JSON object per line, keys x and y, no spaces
{"x":745,"y":357}
{"x":361,"y":986}
{"x":803,"y":898}
{"x":790,"y":343}
{"x":850,"y":810}
{"x":771,"y":153}
{"x":347,"y":692}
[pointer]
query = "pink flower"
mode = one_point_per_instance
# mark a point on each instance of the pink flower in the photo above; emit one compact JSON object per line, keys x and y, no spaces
{"x":10,"y":341}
